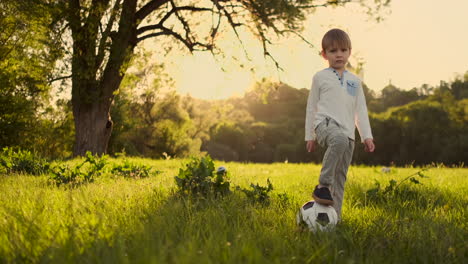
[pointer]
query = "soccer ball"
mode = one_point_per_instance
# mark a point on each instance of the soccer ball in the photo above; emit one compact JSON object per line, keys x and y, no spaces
{"x":221,"y":170}
{"x":316,"y":217}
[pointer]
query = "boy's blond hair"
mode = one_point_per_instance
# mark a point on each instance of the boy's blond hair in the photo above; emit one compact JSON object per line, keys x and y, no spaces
{"x":336,"y":38}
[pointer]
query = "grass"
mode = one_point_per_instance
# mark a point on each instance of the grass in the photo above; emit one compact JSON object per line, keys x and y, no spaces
{"x":120,"y":220}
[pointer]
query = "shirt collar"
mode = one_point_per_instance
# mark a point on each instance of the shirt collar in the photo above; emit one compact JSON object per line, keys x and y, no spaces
{"x":333,"y":70}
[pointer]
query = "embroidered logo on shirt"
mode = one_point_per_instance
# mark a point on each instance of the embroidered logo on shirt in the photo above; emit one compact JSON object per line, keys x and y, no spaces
{"x":351,"y":87}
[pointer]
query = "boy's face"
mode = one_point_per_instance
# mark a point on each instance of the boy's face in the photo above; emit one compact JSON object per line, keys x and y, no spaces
{"x":337,"y":57}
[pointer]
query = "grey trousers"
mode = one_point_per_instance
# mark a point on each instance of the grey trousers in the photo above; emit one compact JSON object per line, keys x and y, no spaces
{"x":336,"y":160}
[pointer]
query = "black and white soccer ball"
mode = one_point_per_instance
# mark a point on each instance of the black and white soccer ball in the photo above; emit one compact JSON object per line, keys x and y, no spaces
{"x":221,"y":170}
{"x":317,"y":217}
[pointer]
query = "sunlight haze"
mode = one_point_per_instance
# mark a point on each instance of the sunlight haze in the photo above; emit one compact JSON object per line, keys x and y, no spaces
{"x":418,"y":42}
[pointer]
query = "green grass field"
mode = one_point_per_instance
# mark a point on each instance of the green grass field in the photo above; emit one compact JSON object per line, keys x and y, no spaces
{"x":119,"y":220}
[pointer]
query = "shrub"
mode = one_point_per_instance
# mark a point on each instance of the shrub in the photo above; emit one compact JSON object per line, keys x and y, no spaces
{"x":259,"y":194}
{"x":22,"y":161}
{"x":62,"y":174}
{"x":394,"y":188}
{"x":199,"y":178}
{"x":131,"y":170}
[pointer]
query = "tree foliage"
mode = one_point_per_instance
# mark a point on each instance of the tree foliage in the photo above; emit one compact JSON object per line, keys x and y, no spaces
{"x":152,"y":121}
{"x":424,"y":128}
{"x":28,"y":52}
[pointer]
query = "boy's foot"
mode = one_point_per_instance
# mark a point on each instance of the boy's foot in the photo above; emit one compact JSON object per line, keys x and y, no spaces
{"x":322,"y":196}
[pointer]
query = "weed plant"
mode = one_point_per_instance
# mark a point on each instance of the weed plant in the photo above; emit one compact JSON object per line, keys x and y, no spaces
{"x":132,"y":170}
{"x":259,"y":193}
{"x":198,"y":178}
{"x":22,"y":161}
{"x":84,"y":172}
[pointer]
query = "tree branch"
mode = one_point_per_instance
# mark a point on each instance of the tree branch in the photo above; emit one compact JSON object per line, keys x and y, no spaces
{"x":298,"y":35}
{"x":74,"y":14}
{"x":148,"y":8}
{"x":187,"y":42}
{"x":96,"y":11}
{"x":233,"y":24}
{"x":168,"y":14}
{"x":266,"y":52}
{"x":328,"y":3}
{"x":106,"y":33}
{"x":166,"y":31}
{"x":93,"y":21}
{"x":152,"y":35}
{"x":59,"y":78}
{"x":214,"y":29}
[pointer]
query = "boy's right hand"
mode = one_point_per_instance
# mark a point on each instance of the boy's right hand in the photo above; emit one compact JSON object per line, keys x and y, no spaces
{"x":310,"y":145}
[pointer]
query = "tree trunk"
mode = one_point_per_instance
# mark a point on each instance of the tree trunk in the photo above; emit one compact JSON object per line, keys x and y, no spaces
{"x":93,"y":89}
{"x":93,"y":127}
{"x":92,"y":102}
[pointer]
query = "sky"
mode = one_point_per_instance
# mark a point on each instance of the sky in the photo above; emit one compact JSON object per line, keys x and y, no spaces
{"x":419,"y":42}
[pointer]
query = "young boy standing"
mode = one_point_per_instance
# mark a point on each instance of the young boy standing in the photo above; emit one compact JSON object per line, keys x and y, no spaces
{"x":335,"y":107}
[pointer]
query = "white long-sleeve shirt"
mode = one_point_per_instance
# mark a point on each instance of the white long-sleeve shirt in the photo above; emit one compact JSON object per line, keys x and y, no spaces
{"x":341,"y":99}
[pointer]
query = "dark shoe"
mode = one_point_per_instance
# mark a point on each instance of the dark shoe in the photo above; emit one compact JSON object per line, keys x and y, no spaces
{"x":322,"y":196}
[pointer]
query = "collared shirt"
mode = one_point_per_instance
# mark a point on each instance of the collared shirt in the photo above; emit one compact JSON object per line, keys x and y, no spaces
{"x":341,"y":99}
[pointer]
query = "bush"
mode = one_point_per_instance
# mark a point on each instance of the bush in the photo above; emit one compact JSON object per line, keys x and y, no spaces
{"x":259,"y":194}
{"x":22,"y":161}
{"x":394,"y":189}
{"x":62,"y":174}
{"x":131,"y":170}
{"x":199,"y":178}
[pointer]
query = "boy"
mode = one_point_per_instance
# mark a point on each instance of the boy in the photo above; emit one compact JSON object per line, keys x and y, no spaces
{"x":335,"y":107}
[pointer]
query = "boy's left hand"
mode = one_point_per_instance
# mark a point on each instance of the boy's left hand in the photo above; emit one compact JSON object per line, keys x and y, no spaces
{"x":369,"y":145}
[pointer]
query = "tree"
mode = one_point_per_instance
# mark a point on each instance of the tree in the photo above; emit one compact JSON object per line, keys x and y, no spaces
{"x":106,"y":32}
{"x":28,"y":52}
{"x":152,"y":120}
{"x":460,"y":87}
{"x":393,"y":96}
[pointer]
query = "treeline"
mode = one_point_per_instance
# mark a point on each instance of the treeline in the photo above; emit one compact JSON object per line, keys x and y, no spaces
{"x":419,"y":126}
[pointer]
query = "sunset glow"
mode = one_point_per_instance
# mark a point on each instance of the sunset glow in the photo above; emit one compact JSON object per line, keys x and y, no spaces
{"x":418,"y":42}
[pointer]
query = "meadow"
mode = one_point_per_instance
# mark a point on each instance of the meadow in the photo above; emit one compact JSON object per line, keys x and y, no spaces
{"x":147,"y":220}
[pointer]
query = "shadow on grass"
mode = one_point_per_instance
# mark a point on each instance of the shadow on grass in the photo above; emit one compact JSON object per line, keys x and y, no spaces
{"x":407,"y":195}
{"x":414,"y":226}
{"x":418,"y":224}
{"x":230,"y":229}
